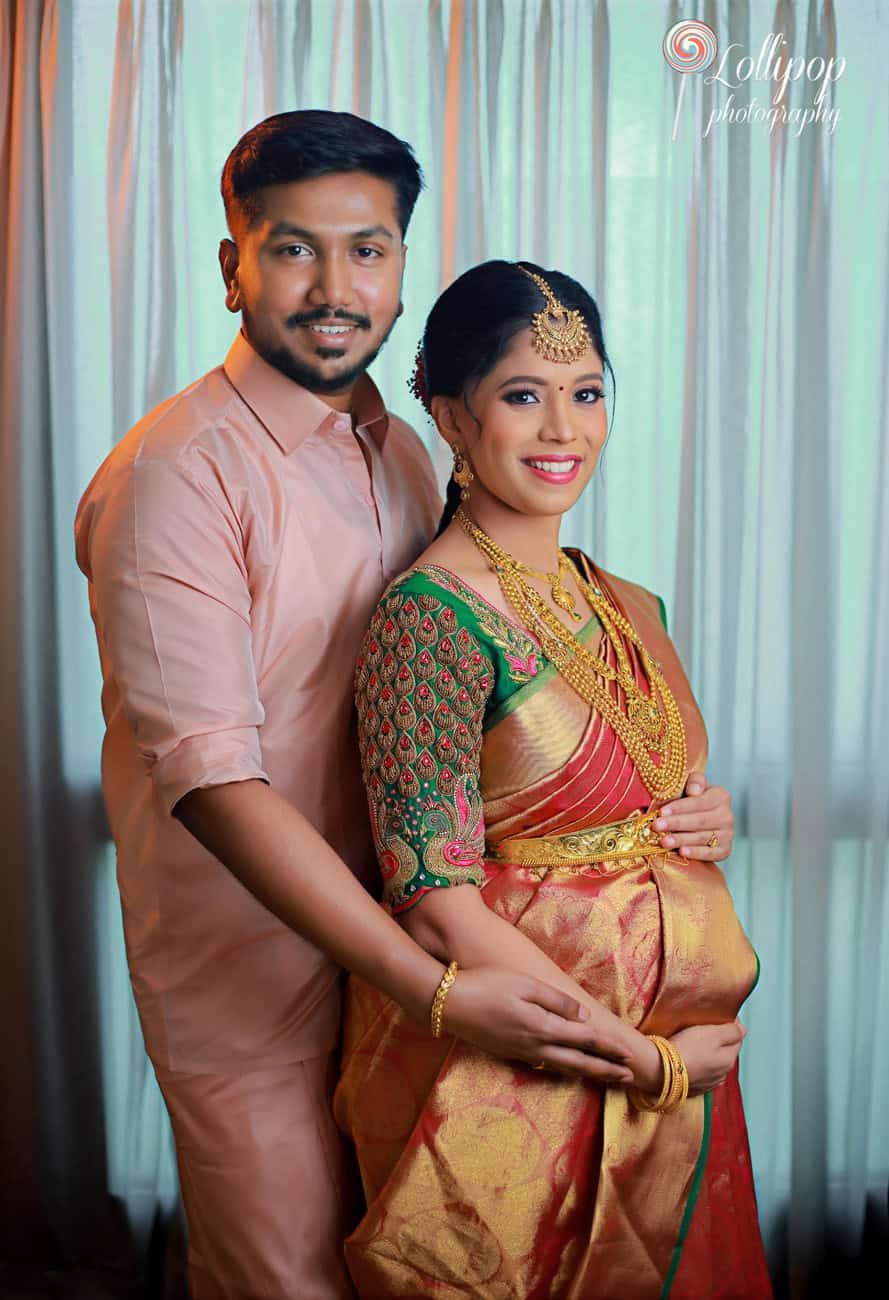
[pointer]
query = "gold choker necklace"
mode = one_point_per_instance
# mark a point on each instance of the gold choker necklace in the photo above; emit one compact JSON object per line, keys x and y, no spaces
{"x":561,"y":595}
{"x":652,"y":723}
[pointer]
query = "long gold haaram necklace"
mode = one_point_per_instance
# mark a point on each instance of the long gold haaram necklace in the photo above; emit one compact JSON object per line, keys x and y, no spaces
{"x":652,"y":723}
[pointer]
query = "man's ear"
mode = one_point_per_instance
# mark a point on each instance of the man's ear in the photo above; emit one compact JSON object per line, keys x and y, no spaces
{"x":228,"y":265}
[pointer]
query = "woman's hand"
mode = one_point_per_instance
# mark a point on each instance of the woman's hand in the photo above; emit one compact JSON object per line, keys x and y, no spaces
{"x":519,"y":1017}
{"x":709,"y":1053}
{"x":701,"y":824}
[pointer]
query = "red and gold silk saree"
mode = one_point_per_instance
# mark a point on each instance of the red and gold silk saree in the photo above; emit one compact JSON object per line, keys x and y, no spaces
{"x":492,"y":1180}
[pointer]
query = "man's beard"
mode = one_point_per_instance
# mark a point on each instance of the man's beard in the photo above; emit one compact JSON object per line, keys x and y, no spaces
{"x":306,"y":375}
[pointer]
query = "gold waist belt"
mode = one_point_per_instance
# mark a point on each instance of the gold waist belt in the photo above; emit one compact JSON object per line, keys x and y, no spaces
{"x":632,"y":838}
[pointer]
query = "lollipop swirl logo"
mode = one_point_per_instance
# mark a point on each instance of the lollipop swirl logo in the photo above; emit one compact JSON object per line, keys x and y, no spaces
{"x":689,"y":46}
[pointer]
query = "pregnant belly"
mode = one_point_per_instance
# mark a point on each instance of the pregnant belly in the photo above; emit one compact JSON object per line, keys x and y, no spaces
{"x":656,"y":941}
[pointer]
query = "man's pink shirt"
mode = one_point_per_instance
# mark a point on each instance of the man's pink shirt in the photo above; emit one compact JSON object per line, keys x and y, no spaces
{"x":235,"y":544}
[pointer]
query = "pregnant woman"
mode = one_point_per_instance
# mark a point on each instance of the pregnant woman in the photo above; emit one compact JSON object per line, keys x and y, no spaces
{"x":525,"y":724}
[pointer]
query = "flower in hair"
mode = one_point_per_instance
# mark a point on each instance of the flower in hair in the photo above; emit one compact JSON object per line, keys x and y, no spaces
{"x":417,"y":381}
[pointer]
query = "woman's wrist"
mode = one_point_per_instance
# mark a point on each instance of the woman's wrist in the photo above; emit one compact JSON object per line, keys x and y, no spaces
{"x":644,"y":1058}
{"x":647,"y":1066}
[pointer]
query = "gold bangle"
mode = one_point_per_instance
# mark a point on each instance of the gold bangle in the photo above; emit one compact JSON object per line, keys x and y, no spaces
{"x":441,"y":994}
{"x":639,"y":1099}
{"x":675,"y":1087}
{"x":684,"y":1070}
{"x":679,"y":1088}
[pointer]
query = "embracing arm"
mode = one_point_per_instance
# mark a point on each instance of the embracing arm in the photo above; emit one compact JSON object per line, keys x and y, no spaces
{"x":283,"y":861}
{"x":455,"y":924}
{"x":279,"y":856}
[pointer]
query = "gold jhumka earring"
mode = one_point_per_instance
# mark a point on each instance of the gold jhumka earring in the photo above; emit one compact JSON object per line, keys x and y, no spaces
{"x":463,"y":474}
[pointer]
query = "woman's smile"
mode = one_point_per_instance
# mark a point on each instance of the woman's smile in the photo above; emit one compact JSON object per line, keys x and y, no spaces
{"x":554,"y":469}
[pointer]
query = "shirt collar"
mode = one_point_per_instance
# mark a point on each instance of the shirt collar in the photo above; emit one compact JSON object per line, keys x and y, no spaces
{"x":290,"y":412}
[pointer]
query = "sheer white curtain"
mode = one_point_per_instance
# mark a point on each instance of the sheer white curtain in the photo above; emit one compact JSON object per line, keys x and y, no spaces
{"x":743,"y":279}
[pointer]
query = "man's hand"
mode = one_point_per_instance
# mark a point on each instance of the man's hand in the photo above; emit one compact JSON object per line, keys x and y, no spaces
{"x":519,"y":1017}
{"x":699,"y":825}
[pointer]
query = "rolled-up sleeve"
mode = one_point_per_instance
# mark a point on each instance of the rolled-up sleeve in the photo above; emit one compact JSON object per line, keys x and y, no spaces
{"x":171,"y":600}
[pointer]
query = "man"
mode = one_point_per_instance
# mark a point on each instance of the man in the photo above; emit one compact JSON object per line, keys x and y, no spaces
{"x":235,"y":543}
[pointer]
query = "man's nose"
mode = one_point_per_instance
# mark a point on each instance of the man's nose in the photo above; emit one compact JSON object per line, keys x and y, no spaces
{"x":333,"y":283}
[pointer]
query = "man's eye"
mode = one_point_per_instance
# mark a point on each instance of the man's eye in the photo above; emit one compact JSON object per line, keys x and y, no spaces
{"x":589,"y":396}
{"x":367,"y":254}
{"x":293,"y":250}
{"x":519,"y":395}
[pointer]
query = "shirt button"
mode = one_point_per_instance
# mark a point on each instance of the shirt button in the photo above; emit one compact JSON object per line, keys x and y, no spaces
{"x":368,"y":499}
{"x":342,"y":424}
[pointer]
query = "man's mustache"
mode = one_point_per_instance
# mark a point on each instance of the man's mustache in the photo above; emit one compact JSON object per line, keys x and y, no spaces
{"x":325,"y":314}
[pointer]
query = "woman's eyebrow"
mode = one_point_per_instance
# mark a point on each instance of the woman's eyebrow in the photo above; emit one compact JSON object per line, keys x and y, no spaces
{"x":536,"y":379}
{"x":521,"y":379}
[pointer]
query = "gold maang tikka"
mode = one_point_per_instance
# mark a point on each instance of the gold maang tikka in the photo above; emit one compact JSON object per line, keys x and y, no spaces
{"x":559,"y":333}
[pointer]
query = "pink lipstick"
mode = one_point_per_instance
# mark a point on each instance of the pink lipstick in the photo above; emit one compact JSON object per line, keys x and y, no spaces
{"x":554,"y":469}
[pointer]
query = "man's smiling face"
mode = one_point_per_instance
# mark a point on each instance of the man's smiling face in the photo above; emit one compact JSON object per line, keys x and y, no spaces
{"x":317,"y":278}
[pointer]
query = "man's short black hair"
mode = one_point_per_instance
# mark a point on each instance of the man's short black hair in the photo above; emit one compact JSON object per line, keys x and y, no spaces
{"x":302,"y":145}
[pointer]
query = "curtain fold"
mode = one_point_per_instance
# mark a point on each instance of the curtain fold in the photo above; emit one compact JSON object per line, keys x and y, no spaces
{"x":811,"y":602}
{"x":25,"y":423}
{"x":53,"y":1122}
{"x":147,"y":213}
{"x":743,"y":276}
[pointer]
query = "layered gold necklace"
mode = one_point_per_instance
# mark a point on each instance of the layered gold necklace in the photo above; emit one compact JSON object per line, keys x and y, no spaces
{"x":652,"y":723}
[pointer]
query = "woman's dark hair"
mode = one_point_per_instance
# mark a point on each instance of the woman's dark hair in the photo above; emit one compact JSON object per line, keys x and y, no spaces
{"x":474,"y":322}
{"x":302,"y":145}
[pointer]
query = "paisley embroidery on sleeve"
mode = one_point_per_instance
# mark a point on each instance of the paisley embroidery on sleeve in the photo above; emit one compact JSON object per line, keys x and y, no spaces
{"x":454,"y":835}
{"x":522,"y":654}
{"x":422,"y":683}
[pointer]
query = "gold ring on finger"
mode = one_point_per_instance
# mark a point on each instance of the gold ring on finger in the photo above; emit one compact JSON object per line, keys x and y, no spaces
{"x":713,"y":841}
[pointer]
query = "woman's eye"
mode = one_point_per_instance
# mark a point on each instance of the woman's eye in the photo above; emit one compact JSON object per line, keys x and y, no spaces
{"x":589,"y":396}
{"x":520,"y":397}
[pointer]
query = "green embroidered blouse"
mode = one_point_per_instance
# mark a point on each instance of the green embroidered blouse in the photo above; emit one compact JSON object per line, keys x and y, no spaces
{"x":437,"y":667}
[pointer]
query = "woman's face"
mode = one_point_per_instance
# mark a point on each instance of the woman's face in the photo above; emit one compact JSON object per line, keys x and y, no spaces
{"x":543,"y":426}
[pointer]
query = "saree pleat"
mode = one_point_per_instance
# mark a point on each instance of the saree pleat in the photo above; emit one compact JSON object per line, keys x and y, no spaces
{"x":491,"y":1180}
